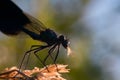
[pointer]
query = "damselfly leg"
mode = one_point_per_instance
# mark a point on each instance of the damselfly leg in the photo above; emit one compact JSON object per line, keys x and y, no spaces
{"x":34,"y":49}
{"x":51,"y":51}
{"x":49,"y":54}
{"x":58,"y":47}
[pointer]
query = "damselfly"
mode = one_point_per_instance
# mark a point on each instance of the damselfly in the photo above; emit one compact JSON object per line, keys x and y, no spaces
{"x":13,"y":20}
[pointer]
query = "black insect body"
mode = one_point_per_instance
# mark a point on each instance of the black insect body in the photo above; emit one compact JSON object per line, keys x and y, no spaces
{"x":48,"y":36}
{"x":13,"y":20}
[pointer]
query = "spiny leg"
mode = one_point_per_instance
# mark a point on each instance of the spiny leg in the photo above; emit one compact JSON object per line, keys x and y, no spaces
{"x":49,"y":53}
{"x":33,"y":46}
{"x":39,"y":49}
{"x":54,"y":61}
{"x":57,"y":53}
{"x":28,"y":52}
{"x":28,"y":57}
{"x":35,"y":53}
{"x":52,"y":57}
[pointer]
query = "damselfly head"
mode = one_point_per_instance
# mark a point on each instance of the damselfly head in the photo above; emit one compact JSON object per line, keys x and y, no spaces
{"x":66,"y":45}
{"x":65,"y":42}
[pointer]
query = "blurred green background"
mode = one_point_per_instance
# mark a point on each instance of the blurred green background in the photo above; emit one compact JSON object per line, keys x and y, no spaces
{"x":64,"y":17}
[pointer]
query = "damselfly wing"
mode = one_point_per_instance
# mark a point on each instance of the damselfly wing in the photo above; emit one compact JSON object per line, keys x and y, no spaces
{"x":12,"y":18}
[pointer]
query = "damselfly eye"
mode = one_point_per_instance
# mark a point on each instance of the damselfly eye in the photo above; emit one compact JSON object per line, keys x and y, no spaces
{"x":61,"y":38}
{"x":65,"y":43}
